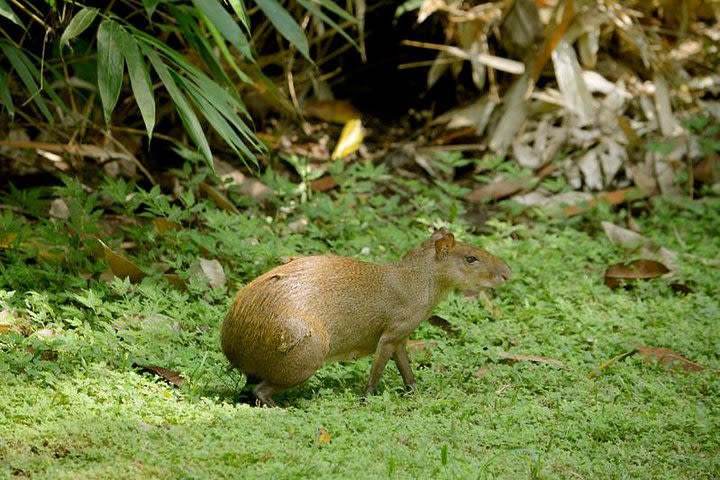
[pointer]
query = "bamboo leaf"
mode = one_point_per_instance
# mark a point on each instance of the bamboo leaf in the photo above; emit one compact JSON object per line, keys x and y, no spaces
{"x":221,"y":116}
{"x":19,"y":62}
{"x":150,"y":6}
{"x":5,"y":97}
{"x":7,"y":12}
{"x":339,"y":11}
{"x":110,"y":65}
{"x":221,"y":19}
{"x":285,"y":25}
{"x":239,"y":7}
{"x":312,"y":8}
{"x":80,"y":22}
{"x":139,"y":81}
{"x":187,"y":115}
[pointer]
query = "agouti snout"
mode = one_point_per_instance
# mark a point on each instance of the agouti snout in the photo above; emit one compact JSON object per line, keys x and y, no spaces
{"x":286,"y":323}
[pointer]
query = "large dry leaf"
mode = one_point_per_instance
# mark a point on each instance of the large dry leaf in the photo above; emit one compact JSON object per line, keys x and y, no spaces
{"x":120,"y":266}
{"x":173,"y":378}
{"x":212,"y":271}
{"x":501,"y":187}
{"x":441,"y":323}
{"x":641,"y":269}
{"x":636,"y":243}
{"x":571,"y":82}
{"x":667,"y":357}
{"x":616,"y":197}
{"x":335,"y":111}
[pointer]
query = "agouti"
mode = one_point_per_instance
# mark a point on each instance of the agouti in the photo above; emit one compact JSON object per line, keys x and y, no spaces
{"x":286,"y":323}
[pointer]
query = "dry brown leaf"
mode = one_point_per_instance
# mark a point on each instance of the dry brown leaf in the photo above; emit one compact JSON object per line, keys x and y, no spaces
{"x":323,"y":184}
{"x":120,"y":266}
{"x":708,"y":170}
{"x":59,"y":209}
{"x":639,"y":244}
{"x":512,"y":358}
{"x":173,"y":378}
{"x":219,"y":199}
{"x":615,"y":197}
{"x":641,"y":269}
{"x":335,"y":111}
{"x":212,"y":271}
{"x":667,"y":357}
{"x":444,"y":325}
{"x":174,"y":279}
{"x":500,"y":188}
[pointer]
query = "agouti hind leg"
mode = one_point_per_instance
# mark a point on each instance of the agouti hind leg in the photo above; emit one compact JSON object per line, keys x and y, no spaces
{"x":264,"y":391}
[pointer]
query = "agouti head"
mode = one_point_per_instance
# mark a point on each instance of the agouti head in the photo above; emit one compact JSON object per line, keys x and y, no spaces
{"x":286,"y":323}
{"x":462,"y":266}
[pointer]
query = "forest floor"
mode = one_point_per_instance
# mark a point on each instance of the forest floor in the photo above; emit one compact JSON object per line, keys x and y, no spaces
{"x":559,"y":376}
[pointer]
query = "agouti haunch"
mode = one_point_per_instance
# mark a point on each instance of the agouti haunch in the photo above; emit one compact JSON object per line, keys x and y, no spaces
{"x":286,"y":323}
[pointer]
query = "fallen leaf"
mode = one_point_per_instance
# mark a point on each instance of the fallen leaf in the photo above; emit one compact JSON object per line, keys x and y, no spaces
{"x":708,"y":170}
{"x":481,"y":372}
{"x":212,"y":271}
{"x":335,"y":111}
{"x":512,"y":358}
{"x":641,"y":269}
{"x":447,"y":327}
{"x":163,"y":225}
{"x":501,"y":187}
{"x":219,"y":199}
{"x":639,"y":244}
{"x":615,"y":197}
{"x":173,"y":378}
{"x":59,"y":209}
{"x":120,"y":266}
{"x":323,"y":184}
{"x":322,"y":436}
{"x":351,"y":137}
{"x":174,"y":279}
{"x":667,"y":357}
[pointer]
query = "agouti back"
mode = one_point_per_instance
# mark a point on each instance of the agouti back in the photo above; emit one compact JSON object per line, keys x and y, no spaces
{"x":286,"y":323}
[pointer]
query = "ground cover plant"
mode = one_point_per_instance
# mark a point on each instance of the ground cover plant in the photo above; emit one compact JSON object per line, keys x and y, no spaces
{"x":558,"y":377}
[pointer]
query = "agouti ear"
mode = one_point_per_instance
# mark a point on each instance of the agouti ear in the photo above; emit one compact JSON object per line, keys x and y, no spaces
{"x":439,"y":233}
{"x":443,"y":245}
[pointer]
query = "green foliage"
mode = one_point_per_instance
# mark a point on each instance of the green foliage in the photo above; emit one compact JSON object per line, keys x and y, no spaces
{"x":76,"y":403}
{"x":147,"y":44}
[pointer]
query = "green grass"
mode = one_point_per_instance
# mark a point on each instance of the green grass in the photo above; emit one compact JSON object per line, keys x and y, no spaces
{"x":74,"y":405}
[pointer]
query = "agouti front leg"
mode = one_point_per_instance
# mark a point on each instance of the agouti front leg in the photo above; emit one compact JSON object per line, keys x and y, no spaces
{"x":400,"y":356}
{"x":383,"y":352}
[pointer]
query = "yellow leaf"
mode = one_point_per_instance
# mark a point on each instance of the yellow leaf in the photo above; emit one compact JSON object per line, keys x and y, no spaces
{"x":336,"y":111}
{"x":323,"y":437}
{"x":350,"y":140}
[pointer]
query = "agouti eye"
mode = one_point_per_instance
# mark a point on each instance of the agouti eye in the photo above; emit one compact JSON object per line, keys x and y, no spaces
{"x":471,"y":259}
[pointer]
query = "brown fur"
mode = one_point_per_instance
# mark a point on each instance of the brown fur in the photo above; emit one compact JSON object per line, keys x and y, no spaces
{"x":286,"y":323}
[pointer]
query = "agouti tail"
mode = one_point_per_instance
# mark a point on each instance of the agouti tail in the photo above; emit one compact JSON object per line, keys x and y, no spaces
{"x":286,"y":323}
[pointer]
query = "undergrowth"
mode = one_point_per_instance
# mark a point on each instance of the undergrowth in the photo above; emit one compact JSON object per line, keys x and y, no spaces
{"x":76,"y":401}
